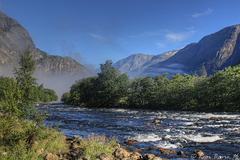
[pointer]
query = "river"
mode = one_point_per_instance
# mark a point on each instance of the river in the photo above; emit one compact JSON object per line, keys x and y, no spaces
{"x":216,"y":134}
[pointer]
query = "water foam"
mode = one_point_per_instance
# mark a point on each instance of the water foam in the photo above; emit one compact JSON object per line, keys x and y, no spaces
{"x":151,"y":137}
{"x":167,"y":145}
{"x":200,"y":138}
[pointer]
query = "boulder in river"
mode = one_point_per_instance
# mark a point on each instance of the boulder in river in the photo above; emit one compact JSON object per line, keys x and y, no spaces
{"x":198,"y":154}
{"x":157,"y":121}
{"x":180,"y":153}
{"x":130,"y":141}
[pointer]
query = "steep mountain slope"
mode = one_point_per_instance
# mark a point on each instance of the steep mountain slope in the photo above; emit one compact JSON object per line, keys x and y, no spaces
{"x":136,"y":63}
{"x":213,"y":52}
{"x":54,"y":72}
{"x":14,"y":40}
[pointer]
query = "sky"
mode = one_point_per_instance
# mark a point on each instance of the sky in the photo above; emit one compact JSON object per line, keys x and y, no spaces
{"x":93,"y":31}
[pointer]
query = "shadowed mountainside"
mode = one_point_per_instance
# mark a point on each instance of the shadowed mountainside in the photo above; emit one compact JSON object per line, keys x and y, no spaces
{"x":15,"y":40}
{"x":212,"y":53}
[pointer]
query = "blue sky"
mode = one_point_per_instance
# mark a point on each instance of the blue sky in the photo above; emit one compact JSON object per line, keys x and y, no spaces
{"x":93,"y":31}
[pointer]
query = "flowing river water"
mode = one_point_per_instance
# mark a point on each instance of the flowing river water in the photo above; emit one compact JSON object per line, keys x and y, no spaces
{"x":216,"y":134}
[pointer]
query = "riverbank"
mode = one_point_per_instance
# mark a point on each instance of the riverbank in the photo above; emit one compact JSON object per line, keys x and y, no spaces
{"x":96,"y":148}
{"x":22,"y":139}
{"x":171,"y":130}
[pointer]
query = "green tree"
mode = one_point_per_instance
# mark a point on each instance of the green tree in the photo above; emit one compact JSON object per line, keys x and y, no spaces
{"x":162,"y":91}
{"x":112,"y":85}
{"x":26,"y":82}
{"x":10,"y":95}
{"x":108,"y":89}
{"x":66,"y":98}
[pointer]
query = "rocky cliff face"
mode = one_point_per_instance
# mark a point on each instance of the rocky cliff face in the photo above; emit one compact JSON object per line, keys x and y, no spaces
{"x":136,"y":63}
{"x":212,"y":53}
{"x":14,"y":40}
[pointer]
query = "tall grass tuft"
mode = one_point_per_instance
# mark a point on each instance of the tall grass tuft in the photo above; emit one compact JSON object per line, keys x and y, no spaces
{"x":94,"y":145}
{"x":23,"y":139}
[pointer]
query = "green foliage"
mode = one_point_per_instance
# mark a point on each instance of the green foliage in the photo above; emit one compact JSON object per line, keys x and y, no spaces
{"x":15,"y":139}
{"x":65,"y":97}
{"x":220,"y":92}
{"x":95,"y":145}
{"x":16,"y":98}
{"x":108,"y":89}
{"x":25,"y":83}
{"x":111,"y":85}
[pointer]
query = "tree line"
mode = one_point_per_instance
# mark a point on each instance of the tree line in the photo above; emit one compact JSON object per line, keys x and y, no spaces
{"x":110,"y":88}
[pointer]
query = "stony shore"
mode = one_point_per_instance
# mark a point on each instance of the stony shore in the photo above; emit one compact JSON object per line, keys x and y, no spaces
{"x":120,"y":152}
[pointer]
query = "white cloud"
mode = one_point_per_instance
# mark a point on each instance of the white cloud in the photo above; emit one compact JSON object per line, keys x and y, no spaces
{"x":207,"y":12}
{"x":160,"y":45}
{"x":179,"y":36}
{"x":175,"y":36}
{"x":99,"y":37}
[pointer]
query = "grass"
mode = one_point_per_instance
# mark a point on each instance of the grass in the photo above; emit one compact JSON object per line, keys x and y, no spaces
{"x":94,"y":145}
{"x":17,"y":141}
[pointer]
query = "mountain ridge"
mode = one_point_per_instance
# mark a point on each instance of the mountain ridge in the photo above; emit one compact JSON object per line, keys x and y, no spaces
{"x":134,"y":64}
{"x":212,"y":53}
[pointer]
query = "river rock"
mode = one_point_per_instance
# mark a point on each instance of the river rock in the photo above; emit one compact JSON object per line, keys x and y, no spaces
{"x":157,"y":121}
{"x":172,"y":152}
{"x":166,"y":152}
{"x":121,"y":153}
{"x":199,"y":154}
{"x":152,"y":148}
{"x":136,"y":156}
{"x":50,"y":156}
{"x":146,"y":124}
{"x":116,"y":146}
{"x":105,"y":156}
{"x":130,"y":141}
{"x":148,"y":156}
{"x":157,"y":125}
{"x":180,"y":153}
{"x":77,"y":137}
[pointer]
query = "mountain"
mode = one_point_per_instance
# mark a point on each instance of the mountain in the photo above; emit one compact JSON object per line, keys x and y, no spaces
{"x":15,"y":40}
{"x":212,"y":53}
{"x":136,"y":63}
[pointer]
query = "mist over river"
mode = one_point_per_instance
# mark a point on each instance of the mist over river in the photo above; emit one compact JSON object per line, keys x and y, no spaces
{"x":216,"y":134}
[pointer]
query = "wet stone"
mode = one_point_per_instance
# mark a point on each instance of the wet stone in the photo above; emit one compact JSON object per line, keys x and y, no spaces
{"x":121,"y":153}
{"x":180,"y":153}
{"x":130,"y":141}
{"x":148,"y":156}
{"x":105,"y":156}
